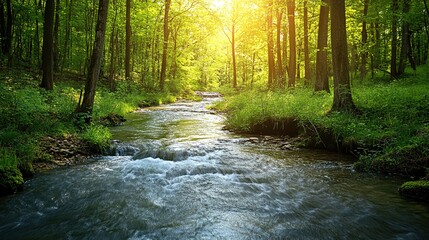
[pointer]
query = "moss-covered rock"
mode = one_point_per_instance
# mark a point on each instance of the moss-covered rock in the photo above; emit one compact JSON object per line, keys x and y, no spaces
{"x":11,"y":180}
{"x":112,"y":120}
{"x":27,"y":170}
{"x":416,"y":189}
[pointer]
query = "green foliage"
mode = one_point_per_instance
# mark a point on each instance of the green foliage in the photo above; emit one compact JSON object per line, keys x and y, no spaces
{"x":11,"y":180}
{"x":97,"y":136}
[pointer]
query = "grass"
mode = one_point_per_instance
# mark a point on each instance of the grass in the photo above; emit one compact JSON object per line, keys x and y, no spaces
{"x":391,"y":135}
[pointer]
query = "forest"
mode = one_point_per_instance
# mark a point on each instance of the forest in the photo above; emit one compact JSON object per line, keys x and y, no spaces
{"x":344,"y":75}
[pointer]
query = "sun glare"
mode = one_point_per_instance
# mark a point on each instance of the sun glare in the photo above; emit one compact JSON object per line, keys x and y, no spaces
{"x":218,"y":4}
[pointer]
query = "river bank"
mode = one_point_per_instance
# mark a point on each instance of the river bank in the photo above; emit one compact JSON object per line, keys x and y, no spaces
{"x":39,"y":130}
{"x":389,"y":135}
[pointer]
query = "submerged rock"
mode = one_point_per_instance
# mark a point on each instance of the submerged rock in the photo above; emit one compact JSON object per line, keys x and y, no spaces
{"x":416,"y":189}
{"x":112,"y":120}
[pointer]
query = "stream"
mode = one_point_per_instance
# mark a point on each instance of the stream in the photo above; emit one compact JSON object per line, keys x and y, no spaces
{"x":174,"y":173}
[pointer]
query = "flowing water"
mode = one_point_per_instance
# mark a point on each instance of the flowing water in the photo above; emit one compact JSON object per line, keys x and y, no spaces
{"x":176,"y":174}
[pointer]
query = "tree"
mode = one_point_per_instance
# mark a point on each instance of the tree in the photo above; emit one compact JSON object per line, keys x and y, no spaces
{"x":128,"y":40}
{"x":292,"y":43}
{"x":95,"y":63}
{"x":280,"y":71}
{"x":322,"y":82}
{"x":342,"y":94}
{"x":165,"y":45}
{"x":6,"y":27}
{"x":270,"y":44}
{"x":406,"y":50}
{"x":307,"y":70}
{"x":394,"y":9}
{"x":364,"y":53}
{"x":48,"y":44}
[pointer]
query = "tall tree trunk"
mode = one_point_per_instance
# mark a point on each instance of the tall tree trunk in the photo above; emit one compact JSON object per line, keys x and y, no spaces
{"x":113,"y":48}
{"x":165,"y":45}
{"x":66,"y":50}
{"x":406,"y":50}
{"x":234,"y":63}
{"x":47,"y":51}
{"x":292,"y":43}
{"x":270,"y":44}
{"x":322,"y":81}
{"x":364,"y":52}
{"x":307,"y":70}
{"x":393,"y":66}
{"x":342,"y":95}
{"x":280,"y":72}
{"x":56,"y":38}
{"x":128,"y":40}
{"x":6,"y":27}
{"x":95,"y":63}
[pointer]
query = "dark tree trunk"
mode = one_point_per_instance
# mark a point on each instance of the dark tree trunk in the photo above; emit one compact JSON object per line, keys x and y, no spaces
{"x":322,"y":81}
{"x":48,"y":42}
{"x":406,"y":50}
{"x":6,"y":28}
{"x":364,"y":53}
{"x":307,"y":70}
{"x":270,"y":44}
{"x":56,"y":38}
{"x":342,"y":95}
{"x":128,"y":40}
{"x":95,"y":63}
{"x":165,"y":45}
{"x":292,"y":43}
{"x":393,"y":66}
{"x":280,"y":72}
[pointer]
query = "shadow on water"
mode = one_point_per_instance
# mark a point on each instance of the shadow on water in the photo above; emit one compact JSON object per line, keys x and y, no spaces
{"x":174,"y":173}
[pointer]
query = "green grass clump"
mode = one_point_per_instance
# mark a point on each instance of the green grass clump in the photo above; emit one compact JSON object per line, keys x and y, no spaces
{"x":97,"y":136}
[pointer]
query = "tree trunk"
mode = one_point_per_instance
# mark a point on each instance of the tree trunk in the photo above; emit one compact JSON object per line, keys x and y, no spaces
{"x":364,"y":52}
{"x":342,"y":95}
{"x":234,"y":63}
{"x":6,"y":28}
{"x":292,"y":43}
{"x":164,"y":46}
{"x":95,"y":63}
{"x":393,"y":66}
{"x":307,"y":70}
{"x":128,"y":40}
{"x":280,"y":72}
{"x":56,"y":38}
{"x":270,"y":44}
{"x":322,"y":81}
{"x":406,"y":50}
{"x":47,"y":51}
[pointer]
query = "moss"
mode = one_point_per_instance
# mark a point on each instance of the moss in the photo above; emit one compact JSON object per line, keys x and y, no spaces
{"x":11,"y":180}
{"x":27,"y":170}
{"x":416,"y":189}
